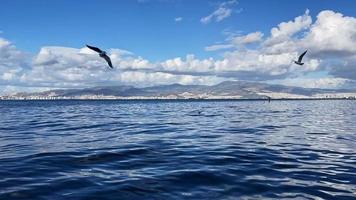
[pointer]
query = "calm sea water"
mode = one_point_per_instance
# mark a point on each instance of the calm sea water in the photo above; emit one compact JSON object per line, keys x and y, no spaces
{"x":177,"y":150}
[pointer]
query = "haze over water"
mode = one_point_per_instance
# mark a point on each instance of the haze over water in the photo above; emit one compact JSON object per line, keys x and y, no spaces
{"x":177,"y":150}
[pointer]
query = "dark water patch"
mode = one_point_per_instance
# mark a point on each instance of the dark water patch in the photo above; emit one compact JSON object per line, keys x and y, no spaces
{"x":270,"y":127}
{"x":317,"y":133}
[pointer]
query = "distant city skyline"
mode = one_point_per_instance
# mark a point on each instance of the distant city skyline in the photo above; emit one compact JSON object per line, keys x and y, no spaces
{"x":154,"y":42}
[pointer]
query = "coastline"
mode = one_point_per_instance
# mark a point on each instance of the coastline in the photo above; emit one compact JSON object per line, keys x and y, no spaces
{"x":175,"y":99}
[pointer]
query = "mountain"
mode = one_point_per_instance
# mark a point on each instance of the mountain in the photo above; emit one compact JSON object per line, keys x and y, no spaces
{"x":224,"y":90}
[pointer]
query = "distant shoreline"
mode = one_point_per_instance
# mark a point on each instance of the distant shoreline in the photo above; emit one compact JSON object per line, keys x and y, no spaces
{"x":228,"y":90}
{"x":182,"y":99}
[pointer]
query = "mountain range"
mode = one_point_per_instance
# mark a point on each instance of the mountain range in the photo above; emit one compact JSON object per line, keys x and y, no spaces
{"x":224,"y":90}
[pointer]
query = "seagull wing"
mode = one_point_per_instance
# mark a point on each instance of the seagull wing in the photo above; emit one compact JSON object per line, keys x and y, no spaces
{"x":301,"y":56}
{"x":95,"y":49}
{"x":108,"y":60}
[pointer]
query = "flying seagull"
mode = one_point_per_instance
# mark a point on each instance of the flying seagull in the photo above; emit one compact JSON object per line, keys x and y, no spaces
{"x":299,"y":62}
{"x":102,"y":54}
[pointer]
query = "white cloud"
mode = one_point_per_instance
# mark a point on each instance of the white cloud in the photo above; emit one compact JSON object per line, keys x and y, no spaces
{"x":248,"y":39}
{"x":332,"y":34}
{"x":266,"y":65}
{"x":12,"y":62}
{"x":148,"y":79}
{"x":178,"y":19}
{"x":223,"y":11}
{"x":190,"y":64}
{"x":327,"y":82}
{"x":237,"y":41}
{"x":63,"y":66}
{"x":219,"y":14}
{"x":217,"y":47}
{"x":292,"y":27}
{"x":285,"y":30}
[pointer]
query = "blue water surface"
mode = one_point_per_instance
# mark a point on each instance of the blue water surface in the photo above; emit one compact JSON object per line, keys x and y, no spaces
{"x":177,"y":149}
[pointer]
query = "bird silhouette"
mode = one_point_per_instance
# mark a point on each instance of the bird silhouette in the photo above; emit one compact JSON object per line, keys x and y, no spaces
{"x":102,"y":54}
{"x":299,"y":62}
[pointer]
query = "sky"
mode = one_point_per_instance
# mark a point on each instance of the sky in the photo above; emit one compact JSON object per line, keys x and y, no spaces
{"x":153,"y":42}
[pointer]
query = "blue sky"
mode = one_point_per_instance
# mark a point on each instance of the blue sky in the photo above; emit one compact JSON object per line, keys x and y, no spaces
{"x":147,"y":28}
{"x":164,"y":34}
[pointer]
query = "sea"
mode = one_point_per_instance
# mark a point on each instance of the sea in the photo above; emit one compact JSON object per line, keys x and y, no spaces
{"x":178,"y":149}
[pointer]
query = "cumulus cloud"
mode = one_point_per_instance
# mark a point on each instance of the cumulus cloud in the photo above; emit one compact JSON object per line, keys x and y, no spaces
{"x":332,"y":35}
{"x":12,"y":62}
{"x":223,"y":11}
{"x":285,"y":30}
{"x":333,"y":38}
{"x":189,"y":65}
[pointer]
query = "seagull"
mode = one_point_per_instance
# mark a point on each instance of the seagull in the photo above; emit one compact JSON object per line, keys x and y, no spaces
{"x":299,"y":62}
{"x":102,"y":54}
